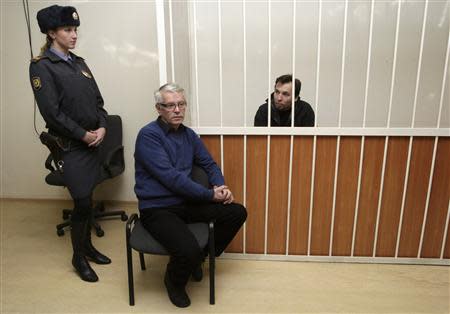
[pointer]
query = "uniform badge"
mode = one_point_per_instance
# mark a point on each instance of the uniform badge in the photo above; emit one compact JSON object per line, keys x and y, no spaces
{"x":36,"y":82}
{"x":75,"y":16}
{"x":87,"y":74}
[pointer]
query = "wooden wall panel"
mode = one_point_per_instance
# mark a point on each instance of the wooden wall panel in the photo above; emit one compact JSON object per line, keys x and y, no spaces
{"x":300,"y":194}
{"x":278,"y":194}
{"x":416,"y":194}
{"x":323,"y":194}
{"x":438,"y":204}
{"x":212,"y":143}
{"x":368,"y":195}
{"x":347,"y":186}
{"x":256,"y":191}
{"x":391,"y":202}
{"x":233,"y":155}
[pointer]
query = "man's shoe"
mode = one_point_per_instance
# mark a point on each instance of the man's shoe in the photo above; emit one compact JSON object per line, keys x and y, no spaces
{"x":197,"y":274}
{"x":177,"y":295}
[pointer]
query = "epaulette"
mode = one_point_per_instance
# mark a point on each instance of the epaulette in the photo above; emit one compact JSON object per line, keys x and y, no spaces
{"x":38,"y":58}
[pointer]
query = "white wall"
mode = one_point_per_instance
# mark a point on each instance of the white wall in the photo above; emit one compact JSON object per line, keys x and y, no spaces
{"x":118,"y":41}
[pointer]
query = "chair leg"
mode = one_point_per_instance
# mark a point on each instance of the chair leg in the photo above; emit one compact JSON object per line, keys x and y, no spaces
{"x":130,"y":270}
{"x":212,"y":264}
{"x":141,"y":259}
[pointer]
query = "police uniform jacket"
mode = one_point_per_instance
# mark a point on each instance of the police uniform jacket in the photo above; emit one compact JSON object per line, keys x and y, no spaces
{"x":67,"y":95}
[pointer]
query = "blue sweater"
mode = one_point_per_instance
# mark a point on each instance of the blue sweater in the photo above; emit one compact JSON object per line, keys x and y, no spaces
{"x":163,"y":165}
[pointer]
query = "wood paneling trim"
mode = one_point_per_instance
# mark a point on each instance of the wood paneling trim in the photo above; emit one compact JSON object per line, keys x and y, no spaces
{"x":419,"y":172}
{"x":278,"y":194}
{"x":256,"y":191}
{"x":347,"y":186}
{"x":369,"y":194}
{"x":323,"y":194}
{"x":438,"y":204}
{"x":300,"y":194}
{"x":233,"y":155}
{"x":391,"y":202}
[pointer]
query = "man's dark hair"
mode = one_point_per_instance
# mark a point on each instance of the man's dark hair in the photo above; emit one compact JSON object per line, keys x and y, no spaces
{"x":287,"y":78}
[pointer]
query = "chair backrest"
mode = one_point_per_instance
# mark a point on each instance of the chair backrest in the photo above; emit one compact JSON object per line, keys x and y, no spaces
{"x":111,"y":151}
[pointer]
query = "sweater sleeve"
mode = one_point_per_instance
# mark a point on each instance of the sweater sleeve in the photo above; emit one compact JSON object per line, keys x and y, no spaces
{"x":151,"y":154}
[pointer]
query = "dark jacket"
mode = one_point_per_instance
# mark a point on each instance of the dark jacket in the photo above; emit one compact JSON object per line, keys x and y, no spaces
{"x":304,"y":115}
{"x":67,"y":95}
{"x":163,"y":165}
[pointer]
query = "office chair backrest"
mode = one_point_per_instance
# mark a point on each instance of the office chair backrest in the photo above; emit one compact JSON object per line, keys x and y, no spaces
{"x":111,"y":150}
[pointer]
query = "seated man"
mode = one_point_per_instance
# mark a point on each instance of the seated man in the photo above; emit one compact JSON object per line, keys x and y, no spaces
{"x":281,"y":103}
{"x":169,"y":198}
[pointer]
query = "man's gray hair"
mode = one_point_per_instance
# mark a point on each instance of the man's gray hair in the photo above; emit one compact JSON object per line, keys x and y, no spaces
{"x":167,"y":88}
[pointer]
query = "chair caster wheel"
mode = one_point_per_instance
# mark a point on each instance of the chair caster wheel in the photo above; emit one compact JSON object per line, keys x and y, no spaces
{"x":60,"y":232}
{"x":124,"y":217}
{"x":100,"y":233}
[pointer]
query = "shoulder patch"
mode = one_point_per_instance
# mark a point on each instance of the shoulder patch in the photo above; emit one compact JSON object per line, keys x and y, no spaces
{"x":38,"y":58}
{"x":36,"y":80}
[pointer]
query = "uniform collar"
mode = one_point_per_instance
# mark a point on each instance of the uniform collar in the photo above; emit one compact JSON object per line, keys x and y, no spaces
{"x":49,"y":53}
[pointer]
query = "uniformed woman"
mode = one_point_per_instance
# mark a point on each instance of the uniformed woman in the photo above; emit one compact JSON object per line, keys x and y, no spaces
{"x":72,"y":107}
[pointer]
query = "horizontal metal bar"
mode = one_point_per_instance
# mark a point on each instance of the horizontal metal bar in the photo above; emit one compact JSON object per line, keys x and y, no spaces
{"x":442,"y":132}
{"x":339,"y":259}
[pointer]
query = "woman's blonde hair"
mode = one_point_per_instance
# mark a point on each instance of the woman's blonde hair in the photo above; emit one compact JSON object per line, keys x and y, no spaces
{"x":46,"y":46}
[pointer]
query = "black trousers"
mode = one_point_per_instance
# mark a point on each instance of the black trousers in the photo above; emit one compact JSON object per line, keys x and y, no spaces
{"x":169,"y":227}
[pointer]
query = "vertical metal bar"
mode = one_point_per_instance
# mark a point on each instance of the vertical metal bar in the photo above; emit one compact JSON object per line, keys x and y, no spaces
{"x":380,"y":197}
{"x":161,"y":35}
{"x":358,"y":192}
{"x":427,"y":202}
{"x":413,"y":122}
{"x":269,"y":54}
{"x":172,"y":49}
{"x":245,"y":59}
{"x":419,"y":63}
{"x":194,"y":5}
{"x":268,"y":136}
{"x":369,"y":58}
{"x":244,"y":238}
{"x":266,"y":215}
{"x":219,"y":19}
{"x":436,"y":140}
{"x":313,"y":170}
{"x":338,"y":142}
{"x":394,"y":64}
{"x":291,"y":148}
{"x":405,"y":188}
{"x":444,"y":85}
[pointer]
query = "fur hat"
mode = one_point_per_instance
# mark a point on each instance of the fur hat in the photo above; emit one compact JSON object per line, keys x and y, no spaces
{"x":56,"y":16}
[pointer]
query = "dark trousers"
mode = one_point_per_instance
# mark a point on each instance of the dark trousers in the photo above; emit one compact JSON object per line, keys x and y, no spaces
{"x":169,"y":227}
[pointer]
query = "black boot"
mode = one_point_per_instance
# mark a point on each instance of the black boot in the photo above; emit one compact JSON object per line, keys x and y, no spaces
{"x":91,"y":252}
{"x":79,"y":261}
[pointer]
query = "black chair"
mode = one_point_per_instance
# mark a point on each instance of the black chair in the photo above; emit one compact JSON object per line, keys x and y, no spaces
{"x":112,"y":165}
{"x":139,"y":239}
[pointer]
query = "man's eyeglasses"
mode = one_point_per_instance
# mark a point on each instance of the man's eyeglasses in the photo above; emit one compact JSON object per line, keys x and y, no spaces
{"x":171,"y":106}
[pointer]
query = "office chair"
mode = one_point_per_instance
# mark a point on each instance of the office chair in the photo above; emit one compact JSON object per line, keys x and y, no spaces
{"x":112,"y":165}
{"x":139,"y":239}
